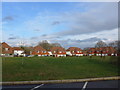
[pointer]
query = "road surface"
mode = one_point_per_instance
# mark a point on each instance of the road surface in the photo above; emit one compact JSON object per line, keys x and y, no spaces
{"x":110,"y":84}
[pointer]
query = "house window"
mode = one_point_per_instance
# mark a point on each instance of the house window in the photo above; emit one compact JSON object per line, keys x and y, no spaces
{"x":54,"y":51}
{"x":77,"y":51}
{"x":60,"y":51}
{"x":44,"y":51}
{"x":6,"y":49}
{"x":38,"y":51}
{"x":80,"y":51}
{"x":73,"y":51}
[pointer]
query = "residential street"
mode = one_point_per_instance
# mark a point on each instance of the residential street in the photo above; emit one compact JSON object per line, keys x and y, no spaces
{"x":79,"y":85}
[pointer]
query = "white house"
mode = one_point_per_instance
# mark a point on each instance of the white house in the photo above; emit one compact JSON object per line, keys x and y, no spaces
{"x":74,"y":51}
{"x":18,"y":51}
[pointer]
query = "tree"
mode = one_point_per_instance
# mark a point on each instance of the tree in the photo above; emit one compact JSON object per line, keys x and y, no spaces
{"x":55,"y":45}
{"x":46,"y":45}
{"x":116,"y":46}
{"x":26,"y":50}
{"x":100,"y":44}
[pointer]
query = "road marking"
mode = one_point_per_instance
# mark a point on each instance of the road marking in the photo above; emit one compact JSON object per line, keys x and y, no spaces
{"x":37,"y":87}
{"x":84,"y":86}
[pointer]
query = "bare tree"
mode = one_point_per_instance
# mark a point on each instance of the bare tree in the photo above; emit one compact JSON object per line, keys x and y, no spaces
{"x":55,"y":45}
{"x":46,"y":45}
{"x":100,"y":44}
{"x":26,"y":50}
{"x":116,"y":46}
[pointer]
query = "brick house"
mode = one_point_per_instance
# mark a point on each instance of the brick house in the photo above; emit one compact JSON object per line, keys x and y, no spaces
{"x":58,"y":52}
{"x":85,"y":53}
{"x":0,"y":48}
{"x":74,"y":51}
{"x":38,"y":50}
{"x":6,"y":49}
{"x":91,"y":51}
{"x":102,"y":51}
{"x":111,"y":51}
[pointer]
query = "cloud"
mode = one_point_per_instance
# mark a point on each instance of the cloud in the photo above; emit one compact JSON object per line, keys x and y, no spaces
{"x":44,"y":35}
{"x":94,"y":20}
{"x":90,"y":42}
{"x":34,"y":38}
{"x":8,"y":18}
{"x":37,"y":30}
{"x":55,"y":23}
{"x":13,"y":38}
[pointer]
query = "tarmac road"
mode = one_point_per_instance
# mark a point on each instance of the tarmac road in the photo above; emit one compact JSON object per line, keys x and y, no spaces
{"x":110,"y":84}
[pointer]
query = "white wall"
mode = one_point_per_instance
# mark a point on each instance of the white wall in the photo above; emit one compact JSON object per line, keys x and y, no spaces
{"x":18,"y":52}
{"x":68,"y":53}
{"x":50,"y":53}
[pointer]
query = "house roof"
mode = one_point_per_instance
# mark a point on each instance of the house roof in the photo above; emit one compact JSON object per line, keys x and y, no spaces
{"x":74,"y":49}
{"x":17,"y":48}
{"x":103,"y":49}
{"x":38,"y":48}
{"x":5,"y":45}
{"x":58,"y":49}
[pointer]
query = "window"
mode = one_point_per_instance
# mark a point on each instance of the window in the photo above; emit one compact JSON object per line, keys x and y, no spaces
{"x":60,"y":51}
{"x":44,"y":51}
{"x":54,"y":51}
{"x":73,"y":51}
{"x":77,"y":51}
{"x":6,"y":49}
{"x":38,"y":51}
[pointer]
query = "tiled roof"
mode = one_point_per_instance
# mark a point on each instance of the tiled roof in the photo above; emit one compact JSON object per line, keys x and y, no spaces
{"x":38,"y":50}
{"x":103,"y":50}
{"x":75,"y":49}
{"x":58,"y":50}
{"x":5,"y":45}
{"x":17,"y":48}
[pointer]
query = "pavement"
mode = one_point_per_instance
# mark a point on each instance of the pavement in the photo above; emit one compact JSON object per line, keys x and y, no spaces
{"x":108,"y":84}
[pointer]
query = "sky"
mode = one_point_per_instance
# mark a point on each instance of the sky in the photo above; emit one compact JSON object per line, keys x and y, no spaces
{"x":72,"y":24}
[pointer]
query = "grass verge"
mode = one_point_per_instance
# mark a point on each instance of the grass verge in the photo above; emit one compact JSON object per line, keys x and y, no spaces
{"x":51,"y":68}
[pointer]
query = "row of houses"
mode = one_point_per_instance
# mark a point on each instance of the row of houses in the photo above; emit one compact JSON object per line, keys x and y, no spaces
{"x":7,"y":50}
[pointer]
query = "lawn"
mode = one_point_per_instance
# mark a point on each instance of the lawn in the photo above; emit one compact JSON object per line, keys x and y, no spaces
{"x":52,"y":68}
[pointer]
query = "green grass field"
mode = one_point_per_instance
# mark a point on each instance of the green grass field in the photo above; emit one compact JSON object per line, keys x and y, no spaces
{"x":52,"y":68}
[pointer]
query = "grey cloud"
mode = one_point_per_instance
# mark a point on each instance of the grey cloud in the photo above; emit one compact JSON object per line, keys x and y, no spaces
{"x":90,"y":42}
{"x":44,"y":35}
{"x":12,"y":38}
{"x":55,"y":23}
{"x":8,"y":18}
{"x":95,"y":20}
{"x":34,"y":38}
{"x":37,"y":30}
